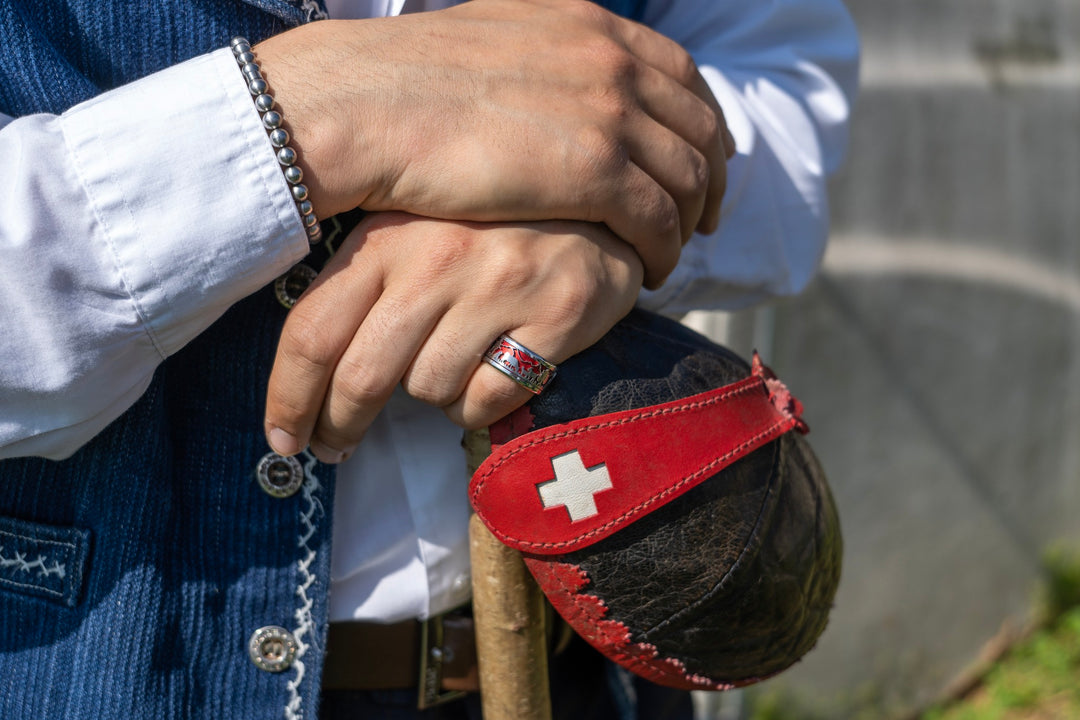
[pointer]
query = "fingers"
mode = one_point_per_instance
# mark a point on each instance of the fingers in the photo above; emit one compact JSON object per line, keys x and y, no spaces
{"x":665,"y":184}
{"x":657,"y":116}
{"x":685,"y":154}
{"x":450,"y":371}
{"x":367,"y":373}
{"x":491,"y":394}
{"x":417,"y":302}
{"x":317,"y":333}
{"x":584,"y":309}
{"x":648,"y":219}
{"x":455,"y":377}
{"x":695,"y":116}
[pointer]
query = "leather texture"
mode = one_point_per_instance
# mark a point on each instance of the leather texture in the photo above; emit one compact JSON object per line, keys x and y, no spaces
{"x":547,"y":501}
{"x":727,"y":584}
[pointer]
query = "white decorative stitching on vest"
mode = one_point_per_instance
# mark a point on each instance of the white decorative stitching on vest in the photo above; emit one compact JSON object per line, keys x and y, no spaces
{"x":19,"y":564}
{"x":314,"y":12}
{"x":305,"y":623}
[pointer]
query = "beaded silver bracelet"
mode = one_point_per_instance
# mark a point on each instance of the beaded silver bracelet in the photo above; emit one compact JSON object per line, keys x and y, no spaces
{"x":279,"y":137}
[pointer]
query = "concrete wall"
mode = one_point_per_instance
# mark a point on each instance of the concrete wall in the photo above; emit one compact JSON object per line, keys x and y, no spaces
{"x":938,"y":355}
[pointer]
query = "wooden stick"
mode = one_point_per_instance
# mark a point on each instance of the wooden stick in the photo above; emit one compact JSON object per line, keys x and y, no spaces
{"x":508,"y":609}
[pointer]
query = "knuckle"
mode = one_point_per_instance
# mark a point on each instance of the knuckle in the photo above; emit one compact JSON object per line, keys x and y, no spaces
{"x":287,"y":411}
{"x":617,"y":65}
{"x":359,"y":388}
{"x":307,"y":345}
{"x":603,"y":154}
{"x":428,"y":385}
{"x":570,"y":297}
{"x":614,"y":105}
{"x":327,"y":443}
{"x":663,"y":214}
{"x":587,"y":12}
{"x":710,"y":127}
{"x":434,"y":394}
{"x":447,"y":248}
{"x":683,"y":66}
{"x":718,"y":184}
{"x":698,"y":172}
{"x":506,"y":272}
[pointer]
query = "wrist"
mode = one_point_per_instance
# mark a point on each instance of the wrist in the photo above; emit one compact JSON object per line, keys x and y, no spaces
{"x":273,"y":122}
{"x":312,"y":102}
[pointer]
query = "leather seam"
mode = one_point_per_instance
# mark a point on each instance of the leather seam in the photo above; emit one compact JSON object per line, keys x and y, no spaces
{"x":779,"y":478}
{"x":776,"y":429}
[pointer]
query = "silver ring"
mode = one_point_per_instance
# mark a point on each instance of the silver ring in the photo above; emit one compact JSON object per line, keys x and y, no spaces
{"x":527,"y":369}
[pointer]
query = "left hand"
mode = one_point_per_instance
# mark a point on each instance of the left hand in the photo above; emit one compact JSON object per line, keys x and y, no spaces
{"x":416,"y":302}
{"x":507,"y":110}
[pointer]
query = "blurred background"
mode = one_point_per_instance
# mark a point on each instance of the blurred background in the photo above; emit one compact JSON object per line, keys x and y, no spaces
{"x":938,"y":354}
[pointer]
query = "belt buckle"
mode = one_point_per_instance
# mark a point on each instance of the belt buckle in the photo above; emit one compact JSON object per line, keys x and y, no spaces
{"x":432,"y":657}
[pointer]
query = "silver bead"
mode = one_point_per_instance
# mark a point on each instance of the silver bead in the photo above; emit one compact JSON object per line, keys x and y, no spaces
{"x":240,"y":49}
{"x":305,"y":207}
{"x":279,"y":137}
{"x":294,"y":174}
{"x":238,"y":40}
{"x":314,"y":234}
{"x":257,"y":86}
{"x":286,"y":156}
{"x":245,"y":57}
{"x":264,"y":102}
{"x":272,"y":120}
{"x":251,"y":71}
{"x":309,"y":220}
{"x":299,"y":193}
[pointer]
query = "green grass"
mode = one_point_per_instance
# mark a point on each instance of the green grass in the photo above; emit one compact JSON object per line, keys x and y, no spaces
{"x":1039,"y":678}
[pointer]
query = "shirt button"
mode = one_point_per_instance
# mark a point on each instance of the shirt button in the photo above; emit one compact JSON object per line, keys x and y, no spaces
{"x":289,"y":287}
{"x":279,"y":476}
{"x":272,"y":648}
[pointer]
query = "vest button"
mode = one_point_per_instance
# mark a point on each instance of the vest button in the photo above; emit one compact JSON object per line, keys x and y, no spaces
{"x":272,"y":648}
{"x":289,"y":287}
{"x":279,"y":476}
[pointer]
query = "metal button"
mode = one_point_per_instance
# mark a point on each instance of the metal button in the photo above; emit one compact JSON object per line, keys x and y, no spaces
{"x":272,"y":648}
{"x":279,"y":476}
{"x":289,"y":287}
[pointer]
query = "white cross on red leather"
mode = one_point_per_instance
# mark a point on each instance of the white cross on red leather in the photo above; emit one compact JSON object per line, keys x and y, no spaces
{"x":574,"y":485}
{"x":655,"y":453}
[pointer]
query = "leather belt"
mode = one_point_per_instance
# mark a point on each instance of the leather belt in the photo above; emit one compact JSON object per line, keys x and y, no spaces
{"x":436,"y":656}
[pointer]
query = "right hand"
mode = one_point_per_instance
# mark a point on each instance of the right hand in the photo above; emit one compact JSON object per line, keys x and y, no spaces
{"x":416,"y":302}
{"x":507,"y":110}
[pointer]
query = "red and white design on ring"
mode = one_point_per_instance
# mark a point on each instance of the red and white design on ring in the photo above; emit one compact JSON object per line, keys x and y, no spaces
{"x":523,"y":365}
{"x":522,"y":362}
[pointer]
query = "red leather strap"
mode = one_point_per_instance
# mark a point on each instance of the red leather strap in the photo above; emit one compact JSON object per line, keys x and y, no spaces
{"x":567,"y":486}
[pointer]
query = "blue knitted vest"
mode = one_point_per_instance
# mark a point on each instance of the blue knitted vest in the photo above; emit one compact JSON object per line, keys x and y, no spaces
{"x":133,"y":574}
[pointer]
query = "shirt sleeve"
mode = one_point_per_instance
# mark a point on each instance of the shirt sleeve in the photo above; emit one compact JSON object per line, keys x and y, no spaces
{"x":132,"y":222}
{"x":785,"y":74}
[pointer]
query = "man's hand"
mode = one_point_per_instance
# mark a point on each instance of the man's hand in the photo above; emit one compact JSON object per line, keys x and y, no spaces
{"x":507,"y":110}
{"x":417,"y":302}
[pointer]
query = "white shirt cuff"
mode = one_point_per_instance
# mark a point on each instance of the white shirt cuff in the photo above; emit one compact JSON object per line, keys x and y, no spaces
{"x":187,"y":192}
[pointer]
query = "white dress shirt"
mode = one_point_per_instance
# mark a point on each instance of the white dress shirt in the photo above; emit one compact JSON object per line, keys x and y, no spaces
{"x":132,"y":222}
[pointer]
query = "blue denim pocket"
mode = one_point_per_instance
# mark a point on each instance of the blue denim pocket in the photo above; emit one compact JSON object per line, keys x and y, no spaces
{"x":43,"y":560}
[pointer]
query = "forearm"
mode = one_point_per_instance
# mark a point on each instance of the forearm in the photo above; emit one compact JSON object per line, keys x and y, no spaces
{"x":133,"y":222}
